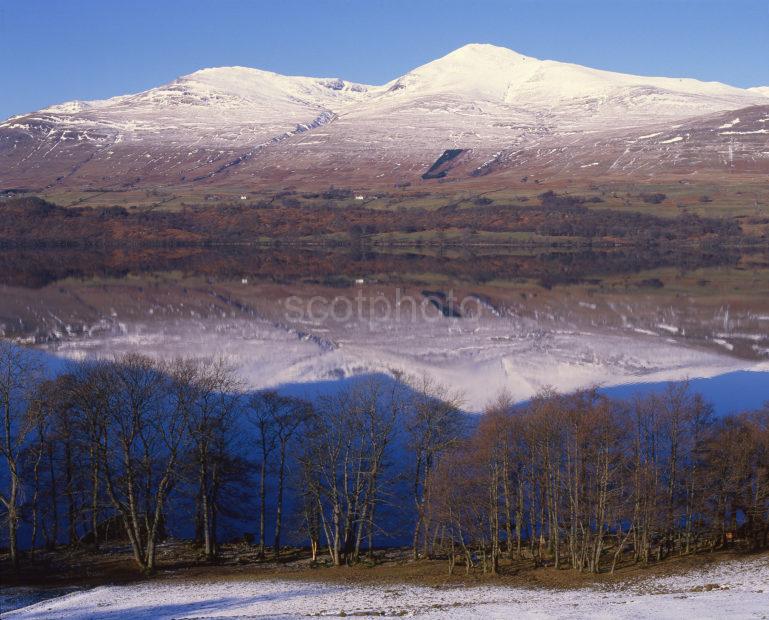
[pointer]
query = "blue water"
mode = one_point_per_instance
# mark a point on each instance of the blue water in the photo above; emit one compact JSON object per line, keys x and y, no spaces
{"x":732,"y":392}
{"x":729,"y":393}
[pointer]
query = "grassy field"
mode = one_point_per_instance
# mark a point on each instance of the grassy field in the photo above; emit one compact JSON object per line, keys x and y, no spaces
{"x":745,"y":199}
{"x":526,"y":214}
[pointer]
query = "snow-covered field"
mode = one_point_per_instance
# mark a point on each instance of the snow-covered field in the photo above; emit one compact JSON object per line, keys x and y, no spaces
{"x":738,"y":589}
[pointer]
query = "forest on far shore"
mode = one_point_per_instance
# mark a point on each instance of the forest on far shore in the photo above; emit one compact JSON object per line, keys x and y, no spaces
{"x":33,"y":222}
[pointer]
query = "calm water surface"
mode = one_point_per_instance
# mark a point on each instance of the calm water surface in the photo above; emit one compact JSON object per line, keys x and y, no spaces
{"x":479,"y":321}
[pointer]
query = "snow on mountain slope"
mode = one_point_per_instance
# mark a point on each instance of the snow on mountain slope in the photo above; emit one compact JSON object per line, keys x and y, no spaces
{"x":250,"y":126}
{"x":487,"y":97}
{"x":188,"y":128}
{"x":479,"y":72}
{"x":734,"y":141}
{"x":257,"y":102}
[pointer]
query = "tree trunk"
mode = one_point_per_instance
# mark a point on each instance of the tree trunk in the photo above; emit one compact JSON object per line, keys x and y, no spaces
{"x":13,"y":521}
{"x":279,"y":504}
{"x":68,"y":485}
{"x":94,"y":497}
{"x":262,"y":502}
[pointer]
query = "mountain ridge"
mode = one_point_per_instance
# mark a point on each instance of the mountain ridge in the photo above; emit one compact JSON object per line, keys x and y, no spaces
{"x":259,"y":127}
{"x":462,"y":52}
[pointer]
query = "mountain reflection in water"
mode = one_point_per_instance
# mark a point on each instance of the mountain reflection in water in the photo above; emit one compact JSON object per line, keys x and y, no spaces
{"x":481,"y":320}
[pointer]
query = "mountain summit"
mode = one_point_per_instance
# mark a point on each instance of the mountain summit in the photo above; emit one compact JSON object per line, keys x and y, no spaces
{"x":502,"y":110}
{"x":490,"y":73}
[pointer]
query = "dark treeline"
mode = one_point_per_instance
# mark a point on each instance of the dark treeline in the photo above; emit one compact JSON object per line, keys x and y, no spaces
{"x":31,"y":221}
{"x":340,"y":266}
{"x":136,"y":451}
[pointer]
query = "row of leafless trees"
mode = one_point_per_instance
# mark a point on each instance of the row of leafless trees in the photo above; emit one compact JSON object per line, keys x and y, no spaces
{"x":119,"y":449}
{"x":369,"y":448}
{"x":107,"y":444}
{"x":585,"y":482}
{"x":136,"y":449}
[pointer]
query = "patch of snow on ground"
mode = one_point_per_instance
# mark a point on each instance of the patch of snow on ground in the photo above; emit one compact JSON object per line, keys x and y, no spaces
{"x":742,"y":133}
{"x":738,"y":589}
{"x":730,"y":123}
{"x":668,"y":328}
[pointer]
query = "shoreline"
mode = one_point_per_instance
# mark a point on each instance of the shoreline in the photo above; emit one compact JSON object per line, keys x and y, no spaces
{"x":177,"y":562}
{"x":725,"y":587}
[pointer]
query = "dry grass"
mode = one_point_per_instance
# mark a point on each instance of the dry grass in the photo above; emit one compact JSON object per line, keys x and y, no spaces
{"x":180,"y":561}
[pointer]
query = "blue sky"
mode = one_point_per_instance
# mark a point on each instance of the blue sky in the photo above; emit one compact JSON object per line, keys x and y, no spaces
{"x":58,"y":50}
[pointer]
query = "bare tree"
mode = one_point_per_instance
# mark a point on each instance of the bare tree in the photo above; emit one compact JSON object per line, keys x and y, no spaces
{"x":64,"y":443}
{"x":140,"y":448}
{"x":19,"y":374}
{"x":343,"y":461}
{"x":204,"y":391}
{"x":287,"y":423}
{"x":333,"y":449}
{"x":93,"y":396}
{"x":434,"y":425}
{"x":264,"y":409}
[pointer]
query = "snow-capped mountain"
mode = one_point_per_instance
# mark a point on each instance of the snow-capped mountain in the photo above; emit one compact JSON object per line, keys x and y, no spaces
{"x":565,"y":94}
{"x":247,"y":127}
